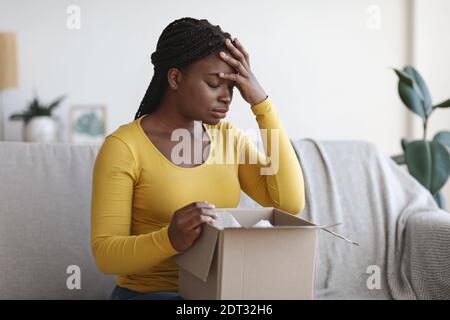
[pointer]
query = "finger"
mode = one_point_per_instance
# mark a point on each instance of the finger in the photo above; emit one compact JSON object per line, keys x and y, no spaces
{"x":185,"y":219}
{"x":206,"y":212}
{"x":234,"y":63}
{"x":230,"y":76}
{"x":236,"y":53}
{"x":195,"y":205}
{"x":202,"y":212}
{"x":195,"y":234}
{"x":239,"y":45}
{"x":207,"y":209}
{"x":185,"y":213}
{"x":198,"y":220}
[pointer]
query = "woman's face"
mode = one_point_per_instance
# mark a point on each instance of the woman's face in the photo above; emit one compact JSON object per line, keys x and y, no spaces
{"x":202,"y":94}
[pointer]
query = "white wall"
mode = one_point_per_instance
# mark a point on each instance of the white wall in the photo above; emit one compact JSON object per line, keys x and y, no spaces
{"x":325,"y":70}
{"x":324,"y":66}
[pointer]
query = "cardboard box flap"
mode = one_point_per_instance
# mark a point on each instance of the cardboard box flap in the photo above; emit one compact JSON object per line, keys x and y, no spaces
{"x":338,"y":235}
{"x":281,"y":218}
{"x":284,"y":218}
{"x":197,"y":260}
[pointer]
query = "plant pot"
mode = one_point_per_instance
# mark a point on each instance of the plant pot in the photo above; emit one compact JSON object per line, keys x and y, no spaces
{"x":41,"y":129}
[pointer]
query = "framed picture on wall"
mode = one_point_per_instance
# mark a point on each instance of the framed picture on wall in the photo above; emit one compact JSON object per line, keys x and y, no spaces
{"x":87,"y":124}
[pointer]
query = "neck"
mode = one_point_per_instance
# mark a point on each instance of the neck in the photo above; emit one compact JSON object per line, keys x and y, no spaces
{"x":170,"y":119}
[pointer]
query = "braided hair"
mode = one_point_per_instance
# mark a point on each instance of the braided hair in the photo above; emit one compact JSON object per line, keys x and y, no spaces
{"x":181,"y":43}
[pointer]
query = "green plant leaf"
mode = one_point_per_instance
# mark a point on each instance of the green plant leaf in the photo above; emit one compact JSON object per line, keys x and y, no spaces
{"x":405,"y":78}
{"x":17,"y":116}
{"x":440,"y":201}
{"x":56,"y":103}
{"x":443,"y":137}
{"x":411,"y":94}
{"x":399,"y":159}
{"x":445,"y":104}
{"x":34,"y":104}
{"x":429,"y":163}
{"x":426,"y":97}
{"x":410,"y":82}
{"x":411,"y":99}
{"x":404,"y":143}
{"x":35,"y":108}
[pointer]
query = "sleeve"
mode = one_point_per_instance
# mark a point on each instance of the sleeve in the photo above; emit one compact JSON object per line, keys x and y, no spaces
{"x":115,"y":251}
{"x":274,"y":179}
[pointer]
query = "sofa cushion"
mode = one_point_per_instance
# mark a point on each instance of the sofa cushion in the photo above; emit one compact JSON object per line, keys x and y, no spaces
{"x":44,"y":223}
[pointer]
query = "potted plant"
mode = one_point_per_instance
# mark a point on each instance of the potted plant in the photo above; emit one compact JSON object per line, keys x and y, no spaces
{"x":39,"y":124}
{"x":427,"y":160}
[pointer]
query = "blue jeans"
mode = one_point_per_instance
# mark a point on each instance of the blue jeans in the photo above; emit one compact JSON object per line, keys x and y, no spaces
{"x":120,"y":293}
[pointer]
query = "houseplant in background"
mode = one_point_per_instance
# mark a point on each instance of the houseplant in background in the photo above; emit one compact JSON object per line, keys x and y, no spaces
{"x":39,"y":123}
{"x":427,"y":160}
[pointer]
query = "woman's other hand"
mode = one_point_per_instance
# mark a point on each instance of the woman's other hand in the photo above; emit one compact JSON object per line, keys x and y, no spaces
{"x":249,"y":87}
{"x":187,"y":223}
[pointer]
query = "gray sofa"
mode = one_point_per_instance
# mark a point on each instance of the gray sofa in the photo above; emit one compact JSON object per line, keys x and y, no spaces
{"x":404,"y":237}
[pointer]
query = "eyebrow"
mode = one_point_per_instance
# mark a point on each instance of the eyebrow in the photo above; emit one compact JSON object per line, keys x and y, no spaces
{"x":216,"y":74}
{"x":222,"y":79}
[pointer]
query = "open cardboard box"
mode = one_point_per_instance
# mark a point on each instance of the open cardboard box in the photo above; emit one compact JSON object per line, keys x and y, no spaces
{"x":251,"y":263}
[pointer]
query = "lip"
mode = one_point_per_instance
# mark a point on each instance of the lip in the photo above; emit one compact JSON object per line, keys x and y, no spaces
{"x":222,"y":110}
{"x":219,"y":113}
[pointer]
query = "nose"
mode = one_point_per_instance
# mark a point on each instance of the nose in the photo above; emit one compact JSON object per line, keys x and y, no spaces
{"x":226,"y":94}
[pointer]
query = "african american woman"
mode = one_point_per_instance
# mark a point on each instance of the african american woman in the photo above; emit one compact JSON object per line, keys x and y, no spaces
{"x":149,"y":200}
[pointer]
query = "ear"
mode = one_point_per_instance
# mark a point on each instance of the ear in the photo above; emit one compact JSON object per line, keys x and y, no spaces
{"x":174,"y":77}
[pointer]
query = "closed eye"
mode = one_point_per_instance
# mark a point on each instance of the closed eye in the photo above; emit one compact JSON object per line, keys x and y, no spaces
{"x":215,"y":87}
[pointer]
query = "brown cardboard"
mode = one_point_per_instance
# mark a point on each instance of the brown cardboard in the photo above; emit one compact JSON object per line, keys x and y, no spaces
{"x":251,"y":263}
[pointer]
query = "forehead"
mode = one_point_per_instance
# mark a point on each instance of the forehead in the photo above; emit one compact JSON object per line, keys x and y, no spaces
{"x":211,"y":66}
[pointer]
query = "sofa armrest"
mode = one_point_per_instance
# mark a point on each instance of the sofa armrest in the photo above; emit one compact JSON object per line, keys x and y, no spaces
{"x":427,"y":253}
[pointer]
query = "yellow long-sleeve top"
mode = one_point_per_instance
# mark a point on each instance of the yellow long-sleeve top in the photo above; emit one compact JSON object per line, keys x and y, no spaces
{"x":136,"y":190}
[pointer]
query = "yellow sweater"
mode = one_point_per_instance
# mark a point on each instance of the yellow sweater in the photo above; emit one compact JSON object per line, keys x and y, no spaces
{"x":136,"y":189}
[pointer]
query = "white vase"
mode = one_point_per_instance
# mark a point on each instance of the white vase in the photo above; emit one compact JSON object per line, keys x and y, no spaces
{"x":41,"y":129}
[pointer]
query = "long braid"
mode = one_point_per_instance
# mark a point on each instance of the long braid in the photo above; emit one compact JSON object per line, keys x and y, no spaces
{"x":182,"y":42}
{"x":152,"y":96}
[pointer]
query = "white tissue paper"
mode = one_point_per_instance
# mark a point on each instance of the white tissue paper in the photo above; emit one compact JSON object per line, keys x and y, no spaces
{"x":262,"y":224}
{"x":226,"y":220}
